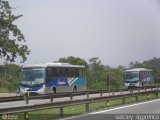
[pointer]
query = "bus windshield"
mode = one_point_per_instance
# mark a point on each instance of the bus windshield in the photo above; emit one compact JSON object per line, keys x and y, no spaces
{"x":132,"y":76}
{"x":32,"y":76}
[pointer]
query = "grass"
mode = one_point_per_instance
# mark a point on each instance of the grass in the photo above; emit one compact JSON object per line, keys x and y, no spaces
{"x":4,"y":90}
{"x":49,"y":114}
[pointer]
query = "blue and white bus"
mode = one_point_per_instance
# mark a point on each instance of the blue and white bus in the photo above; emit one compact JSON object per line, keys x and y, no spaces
{"x":52,"y":78}
{"x":138,"y":77}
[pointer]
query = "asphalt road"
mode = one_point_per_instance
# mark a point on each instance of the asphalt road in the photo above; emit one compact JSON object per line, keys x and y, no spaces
{"x":149,"y":110}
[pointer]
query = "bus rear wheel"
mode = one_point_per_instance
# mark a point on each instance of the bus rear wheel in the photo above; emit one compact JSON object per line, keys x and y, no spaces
{"x":74,"y":89}
{"x":142,"y":84}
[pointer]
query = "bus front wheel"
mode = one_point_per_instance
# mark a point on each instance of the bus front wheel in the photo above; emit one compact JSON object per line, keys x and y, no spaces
{"x":53,"y":90}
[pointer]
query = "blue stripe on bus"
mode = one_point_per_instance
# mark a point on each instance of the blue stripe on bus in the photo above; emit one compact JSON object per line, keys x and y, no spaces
{"x":79,"y":82}
{"x":63,"y":81}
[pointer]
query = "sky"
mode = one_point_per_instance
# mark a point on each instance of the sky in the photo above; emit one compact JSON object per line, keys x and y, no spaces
{"x":116,"y":31}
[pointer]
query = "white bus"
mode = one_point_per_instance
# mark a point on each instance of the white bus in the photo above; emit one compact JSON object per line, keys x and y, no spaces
{"x":138,"y":77}
{"x":52,"y":78}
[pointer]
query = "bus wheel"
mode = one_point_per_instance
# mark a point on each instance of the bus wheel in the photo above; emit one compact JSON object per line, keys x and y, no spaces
{"x":53,"y":90}
{"x":142,"y":84}
{"x":74,"y":89}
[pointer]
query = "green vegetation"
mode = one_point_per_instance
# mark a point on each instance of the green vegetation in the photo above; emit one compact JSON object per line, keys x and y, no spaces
{"x":11,"y":38}
{"x":74,"y":61}
{"x":9,"y":79}
{"x":101,"y":79}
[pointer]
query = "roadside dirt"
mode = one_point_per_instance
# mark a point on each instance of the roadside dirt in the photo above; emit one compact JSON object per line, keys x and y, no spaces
{"x":7,"y":94}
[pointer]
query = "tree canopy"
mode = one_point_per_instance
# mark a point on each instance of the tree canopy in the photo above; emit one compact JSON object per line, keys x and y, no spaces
{"x":11,"y":38}
{"x":74,"y":61}
{"x":95,"y":62}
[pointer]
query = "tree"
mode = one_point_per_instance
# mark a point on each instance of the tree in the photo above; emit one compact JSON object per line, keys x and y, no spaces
{"x":95,"y":62}
{"x":74,"y":61}
{"x":121,"y":67}
{"x":11,"y":38}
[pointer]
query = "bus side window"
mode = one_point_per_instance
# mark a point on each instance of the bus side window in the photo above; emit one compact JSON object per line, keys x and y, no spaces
{"x":60,"y":72}
{"x":71,"y":72}
{"x":66,"y":72}
{"x":141,"y":76}
{"x":54,"y":72}
{"x":49,"y":73}
{"x":77,"y":72}
{"x":80,"y":72}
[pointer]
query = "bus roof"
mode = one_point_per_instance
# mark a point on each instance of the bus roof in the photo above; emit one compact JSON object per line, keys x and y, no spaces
{"x":53,"y":65}
{"x":138,"y":70}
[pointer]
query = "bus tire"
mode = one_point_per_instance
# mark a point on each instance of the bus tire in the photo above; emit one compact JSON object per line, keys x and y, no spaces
{"x":54,"y":90}
{"x":142,"y":84}
{"x":74,"y":89}
{"x":149,"y":84}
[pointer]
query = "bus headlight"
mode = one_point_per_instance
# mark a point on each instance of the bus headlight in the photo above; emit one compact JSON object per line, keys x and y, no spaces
{"x":41,"y":90}
{"x":137,"y":84}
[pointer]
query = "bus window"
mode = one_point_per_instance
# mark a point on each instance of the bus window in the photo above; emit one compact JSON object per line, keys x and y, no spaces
{"x":80,"y":72}
{"x":77,"y":72}
{"x":66,"y":72}
{"x":54,"y":72}
{"x":60,"y":72}
{"x":49,"y":73}
{"x":71,"y":72}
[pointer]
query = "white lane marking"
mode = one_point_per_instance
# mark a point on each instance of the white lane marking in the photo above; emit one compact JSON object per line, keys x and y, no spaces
{"x":125,"y":107}
{"x":110,"y":109}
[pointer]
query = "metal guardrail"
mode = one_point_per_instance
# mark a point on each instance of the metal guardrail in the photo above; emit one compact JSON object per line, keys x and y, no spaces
{"x":86,"y":101}
{"x":71,"y":94}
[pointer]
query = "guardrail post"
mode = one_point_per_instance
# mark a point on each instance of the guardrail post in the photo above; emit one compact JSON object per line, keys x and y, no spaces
{"x":123,"y":100}
{"x":131,"y":91}
{"x":121,"y":92}
{"x":87,"y":107}
{"x":151,"y":88}
{"x":136,"y":98}
{"x":51,"y":96}
{"x":26,"y":116}
{"x":145,"y":89}
{"x":26,"y":98}
{"x":87,"y":95}
{"x":113,"y":92}
{"x":109,"y":92}
{"x":101,"y":94}
{"x":61,"y":111}
{"x":71,"y":96}
{"x":138,"y":90}
{"x":157,"y":87}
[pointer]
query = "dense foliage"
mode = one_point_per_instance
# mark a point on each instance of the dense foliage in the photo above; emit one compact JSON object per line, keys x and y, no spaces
{"x":73,"y":60}
{"x":9,"y":77}
{"x":11,"y":38}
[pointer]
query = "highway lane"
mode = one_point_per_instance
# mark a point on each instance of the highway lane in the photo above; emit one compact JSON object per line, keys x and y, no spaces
{"x":134,"y":110}
{"x":38,"y":101}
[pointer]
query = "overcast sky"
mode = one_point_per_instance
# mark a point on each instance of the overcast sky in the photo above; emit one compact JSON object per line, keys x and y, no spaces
{"x":116,"y":31}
